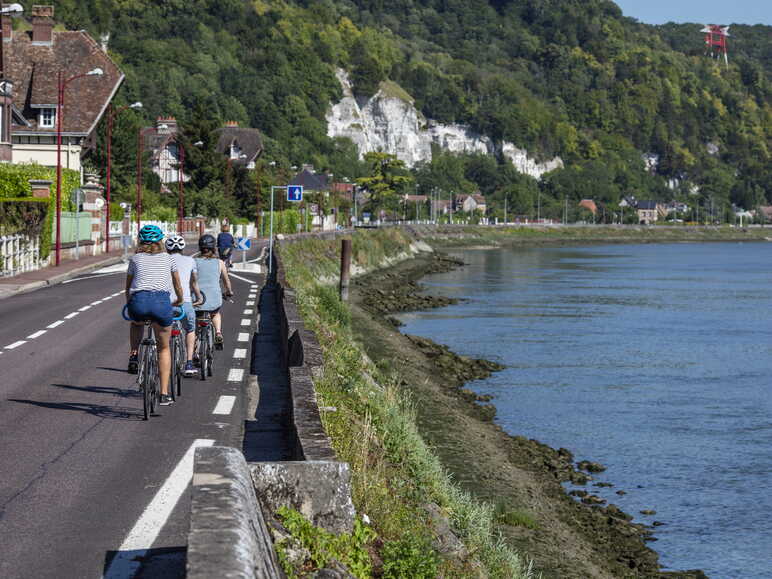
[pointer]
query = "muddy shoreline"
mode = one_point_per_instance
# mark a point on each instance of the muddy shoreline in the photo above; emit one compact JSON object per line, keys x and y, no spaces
{"x":566,"y":536}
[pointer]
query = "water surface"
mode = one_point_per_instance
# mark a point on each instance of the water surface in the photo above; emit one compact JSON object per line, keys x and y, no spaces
{"x":655,"y":360}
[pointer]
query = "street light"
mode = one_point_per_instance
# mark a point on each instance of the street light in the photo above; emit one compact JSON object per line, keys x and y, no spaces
{"x":62,"y":86}
{"x":110,"y":120}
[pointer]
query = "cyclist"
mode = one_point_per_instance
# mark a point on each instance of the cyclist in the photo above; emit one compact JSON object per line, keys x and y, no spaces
{"x":186,"y":268}
{"x":225,"y":244}
{"x":149,"y":282}
{"x":212,"y":271}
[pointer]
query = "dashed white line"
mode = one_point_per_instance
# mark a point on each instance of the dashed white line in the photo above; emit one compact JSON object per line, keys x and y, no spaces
{"x":36,"y":334}
{"x":246,"y":322}
{"x":235,"y":375}
{"x":15,"y":344}
{"x":70,"y":316}
{"x":224,"y":405}
{"x":239,"y":277}
{"x":240,"y":353}
{"x":243,"y":337}
{"x":84,"y":308}
{"x":56,"y":324}
{"x":140,"y":539}
{"x":250,"y":303}
{"x":249,"y":312}
{"x":96,"y":303}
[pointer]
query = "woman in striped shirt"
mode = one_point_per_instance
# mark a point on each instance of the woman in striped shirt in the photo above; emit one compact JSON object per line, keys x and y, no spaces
{"x":151,"y":277}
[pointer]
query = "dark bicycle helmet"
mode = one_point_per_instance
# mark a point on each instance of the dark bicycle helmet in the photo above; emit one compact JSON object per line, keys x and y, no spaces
{"x":150,"y":234}
{"x":207,"y":241}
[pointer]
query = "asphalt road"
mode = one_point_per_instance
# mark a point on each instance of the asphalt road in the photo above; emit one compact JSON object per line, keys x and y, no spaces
{"x":88,"y":488}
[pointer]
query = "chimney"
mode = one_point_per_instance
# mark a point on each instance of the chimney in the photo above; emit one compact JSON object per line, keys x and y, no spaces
{"x":307,"y":167}
{"x":7,"y":26}
{"x":42,"y":24}
{"x":232,"y":124}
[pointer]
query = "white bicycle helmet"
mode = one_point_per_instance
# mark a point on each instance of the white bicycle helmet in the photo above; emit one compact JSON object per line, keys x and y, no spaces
{"x":175,"y":242}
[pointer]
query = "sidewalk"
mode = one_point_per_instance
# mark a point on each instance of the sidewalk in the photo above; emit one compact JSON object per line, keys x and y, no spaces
{"x":52,"y":275}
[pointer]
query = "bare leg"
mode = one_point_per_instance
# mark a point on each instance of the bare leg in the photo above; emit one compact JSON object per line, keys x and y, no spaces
{"x":190,"y":343}
{"x":162,"y":336}
{"x":135,"y":337}
{"x":217,"y":321}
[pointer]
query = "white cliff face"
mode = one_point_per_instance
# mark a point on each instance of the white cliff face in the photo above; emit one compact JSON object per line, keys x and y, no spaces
{"x":391,"y":124}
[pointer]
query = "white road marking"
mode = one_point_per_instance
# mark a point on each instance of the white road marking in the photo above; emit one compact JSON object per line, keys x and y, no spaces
{"x":224,"y":405}
{"x":140,"y":539}
{"x":56,"y":324}
{"x":88,"y":277}
{"x":36,"y":334}
{"x":117,"y":294}
{"x":249,"y":312}
{"x":84,"y":308}
{"x":246,"y":322}
{"x":15,"y":344}
{"x":250,"y":303}
{"x":240,"y":353}
{"x":70,"y":316}
{"x":243,"y":337}
{"x":96,"y":303}
{"x":235,"y":375}
{"x":237,"y":277}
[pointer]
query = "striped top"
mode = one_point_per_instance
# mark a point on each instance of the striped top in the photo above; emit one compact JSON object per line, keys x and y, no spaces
{"x":151,"y":272}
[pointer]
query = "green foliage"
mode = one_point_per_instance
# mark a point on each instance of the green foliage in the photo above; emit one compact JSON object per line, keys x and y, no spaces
{"x":385,"y":182}
{"x":24,"y":215}
{"x":410,"y":557}
{"x":330,"y":306}
{"x":323,"y":546}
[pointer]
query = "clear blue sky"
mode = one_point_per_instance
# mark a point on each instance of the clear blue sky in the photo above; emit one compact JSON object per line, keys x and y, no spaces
{"x":701,"y":11}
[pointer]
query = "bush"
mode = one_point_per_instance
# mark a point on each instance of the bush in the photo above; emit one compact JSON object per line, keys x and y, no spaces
{"x":410,"y":557}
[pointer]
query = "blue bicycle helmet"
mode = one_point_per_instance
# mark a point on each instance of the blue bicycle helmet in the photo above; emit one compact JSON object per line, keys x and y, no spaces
{"x":150,"y":234}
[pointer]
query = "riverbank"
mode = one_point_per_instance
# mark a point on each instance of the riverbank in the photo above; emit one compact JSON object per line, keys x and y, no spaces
{"x":522,"y":477}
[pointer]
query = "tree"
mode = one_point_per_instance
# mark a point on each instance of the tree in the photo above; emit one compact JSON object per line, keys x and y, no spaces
{"x":386,"y":181}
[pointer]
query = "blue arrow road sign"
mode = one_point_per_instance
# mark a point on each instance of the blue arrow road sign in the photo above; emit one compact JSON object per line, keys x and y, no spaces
{"x":294,"y":193}
{"x":243,"y":243}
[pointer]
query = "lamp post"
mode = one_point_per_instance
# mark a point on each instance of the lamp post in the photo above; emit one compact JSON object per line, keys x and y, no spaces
{"x":258,"y":195}
{"x":110,"y":120}
{"x":62,"y":86}
{"x":181,"y":188}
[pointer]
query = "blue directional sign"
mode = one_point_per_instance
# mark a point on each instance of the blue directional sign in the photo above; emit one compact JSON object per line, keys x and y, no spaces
{"x":243,"y":243}
{"x":294,"y":193}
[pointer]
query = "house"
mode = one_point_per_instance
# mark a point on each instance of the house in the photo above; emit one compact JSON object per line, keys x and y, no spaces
{"x":470,"y":203}
{"x":589,"y":204}
{"x":628,"y":201}
{"x":241,"y":145}
{"x":441,"y":206}
{"x":161,"y":141}
{"x":765,"y":213}
{"x":647,"y":212}
{"x":34,"y":60}
{"x":311,"y":181}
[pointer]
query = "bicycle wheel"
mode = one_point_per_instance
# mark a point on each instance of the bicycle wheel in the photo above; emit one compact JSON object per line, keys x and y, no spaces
{"x":181,"y":359}
{"x":210,"y":352}
{"x":155,"y":379}
{"x":202,"y":360}
{"x":173,"y":368}
{"x":144,"y":380}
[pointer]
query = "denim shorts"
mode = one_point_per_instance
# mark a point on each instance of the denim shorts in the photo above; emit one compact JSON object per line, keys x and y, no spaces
{"x":153,"y":306}
{"x":189,"y":321}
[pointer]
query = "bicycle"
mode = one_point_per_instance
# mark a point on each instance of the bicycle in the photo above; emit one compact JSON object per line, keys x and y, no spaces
{"x":148,"y":377}
{"x":179,"y":357}
{"x":205,"y":343}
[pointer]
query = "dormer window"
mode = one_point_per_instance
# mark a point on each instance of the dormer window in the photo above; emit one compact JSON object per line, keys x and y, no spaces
{"x":235,"y":150}
{"x":47,"y":118}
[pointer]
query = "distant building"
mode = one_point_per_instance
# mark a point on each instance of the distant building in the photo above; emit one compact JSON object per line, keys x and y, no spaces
{"x":470,"y":203}
{"x":311,"y":180}
{"x":241,"y":145}
{"x":647,"y":212}
{"x":589,"y":204}
{"x":33,"y":61}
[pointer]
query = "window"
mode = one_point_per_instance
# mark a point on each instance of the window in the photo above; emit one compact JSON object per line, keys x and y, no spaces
{"x":47,"y":118}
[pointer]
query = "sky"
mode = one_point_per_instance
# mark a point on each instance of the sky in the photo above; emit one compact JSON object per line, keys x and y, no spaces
{"x":701,"y":11}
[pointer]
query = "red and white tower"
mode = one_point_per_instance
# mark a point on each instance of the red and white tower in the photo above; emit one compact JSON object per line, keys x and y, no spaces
{"x":715,"y":41}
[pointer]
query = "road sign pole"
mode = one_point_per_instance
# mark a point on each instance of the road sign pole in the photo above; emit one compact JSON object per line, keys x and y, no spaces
{"x":270,"y":236}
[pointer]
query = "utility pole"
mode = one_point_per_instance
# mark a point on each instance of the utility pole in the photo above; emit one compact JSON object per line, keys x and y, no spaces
{"x":505,"y":209}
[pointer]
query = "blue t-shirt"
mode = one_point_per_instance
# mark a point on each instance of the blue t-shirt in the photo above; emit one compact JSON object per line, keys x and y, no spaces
{"x":225,"y":240}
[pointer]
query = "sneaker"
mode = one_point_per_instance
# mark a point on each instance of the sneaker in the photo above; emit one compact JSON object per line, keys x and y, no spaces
{"x":218,"y":342}
{"x":189,"y":369}
{"x":166,"y":400}
{"x":133,"y":364}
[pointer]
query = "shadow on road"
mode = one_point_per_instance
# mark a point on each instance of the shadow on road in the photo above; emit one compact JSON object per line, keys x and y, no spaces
{"x":122,"y":392}
{"x":121,"y":370}
{"x":99,"y":410}
{"x":166,"y":563}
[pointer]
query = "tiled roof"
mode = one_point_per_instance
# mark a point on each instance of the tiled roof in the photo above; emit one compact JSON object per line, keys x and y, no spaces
{"x":248,"y":140}
{"x":647,"y":205}
{"x":310,"y":181}
{"x":34,"y":70}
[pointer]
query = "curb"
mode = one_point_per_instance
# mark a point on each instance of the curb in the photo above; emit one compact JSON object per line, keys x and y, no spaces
{"x":57,"y":279}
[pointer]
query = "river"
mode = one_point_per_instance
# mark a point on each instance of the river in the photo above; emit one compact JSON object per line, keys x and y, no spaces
{"x":654,"y":360}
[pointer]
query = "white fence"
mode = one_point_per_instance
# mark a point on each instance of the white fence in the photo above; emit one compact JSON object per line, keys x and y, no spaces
{"x":19,"y":254}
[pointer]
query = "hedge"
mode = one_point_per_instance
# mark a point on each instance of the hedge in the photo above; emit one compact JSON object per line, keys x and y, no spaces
{"x":14,"y":185}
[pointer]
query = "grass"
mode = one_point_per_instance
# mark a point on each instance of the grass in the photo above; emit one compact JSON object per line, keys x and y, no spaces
{"x":394,"y":472}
